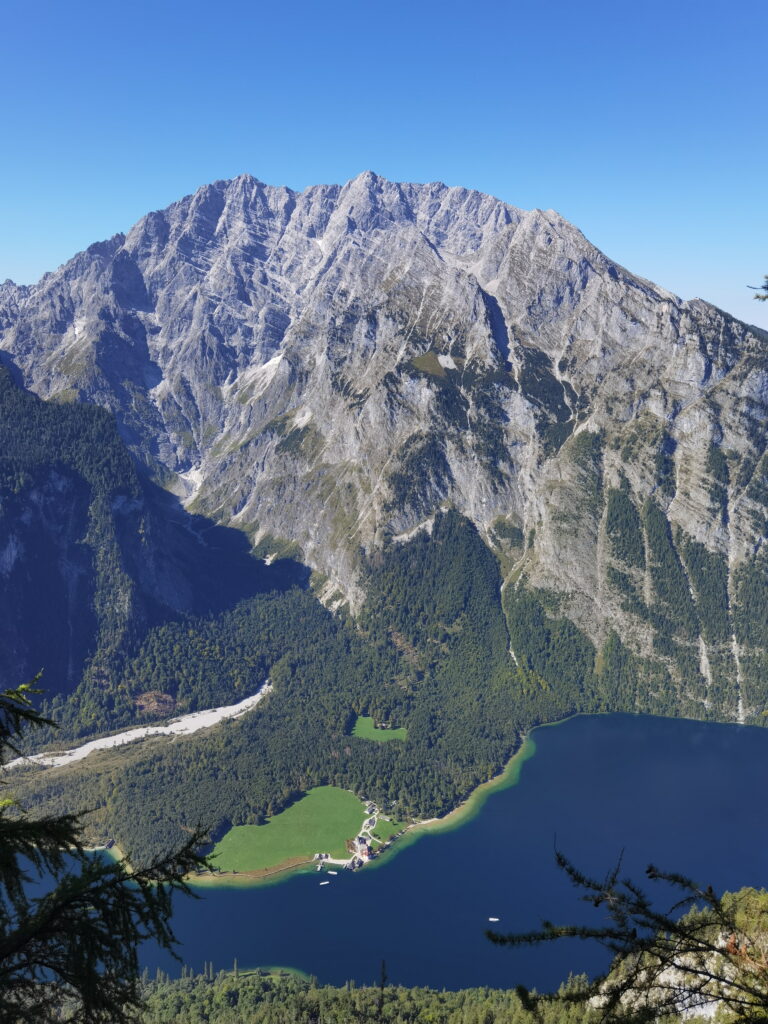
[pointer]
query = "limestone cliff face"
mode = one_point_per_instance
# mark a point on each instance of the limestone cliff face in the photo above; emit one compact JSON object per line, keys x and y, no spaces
{"x":326,"y":369}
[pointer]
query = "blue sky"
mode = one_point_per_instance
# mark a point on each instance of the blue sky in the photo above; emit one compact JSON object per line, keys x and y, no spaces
{"x":642,"y":123}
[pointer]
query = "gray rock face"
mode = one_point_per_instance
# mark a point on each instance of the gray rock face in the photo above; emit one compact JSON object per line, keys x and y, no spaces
{"x":326,"y":369}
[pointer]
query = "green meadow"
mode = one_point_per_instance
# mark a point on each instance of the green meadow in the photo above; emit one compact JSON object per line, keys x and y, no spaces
{"x":365,"y":730}
{"x":319,"y":822}
{"x":386,"y":829}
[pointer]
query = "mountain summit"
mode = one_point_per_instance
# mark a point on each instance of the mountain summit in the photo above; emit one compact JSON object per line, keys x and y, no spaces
{"x":327,"y":370}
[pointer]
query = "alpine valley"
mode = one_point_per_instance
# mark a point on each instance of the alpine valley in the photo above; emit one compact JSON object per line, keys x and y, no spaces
{"x":403,"y":450}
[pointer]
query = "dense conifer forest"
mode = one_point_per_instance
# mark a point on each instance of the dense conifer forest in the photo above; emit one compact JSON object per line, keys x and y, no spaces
{"x":429,"y":653}
{"x":254,"y":998}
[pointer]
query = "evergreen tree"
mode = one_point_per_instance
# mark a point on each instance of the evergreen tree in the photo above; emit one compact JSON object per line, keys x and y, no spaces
{"x":71,"y":922}
{"x":705,"y":954}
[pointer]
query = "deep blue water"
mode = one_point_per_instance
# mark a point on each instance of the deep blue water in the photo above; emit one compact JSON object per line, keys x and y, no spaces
{"x":687,"y":796}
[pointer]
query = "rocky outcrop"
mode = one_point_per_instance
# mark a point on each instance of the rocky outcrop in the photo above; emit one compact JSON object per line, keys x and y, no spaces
{"x":325,"y":370}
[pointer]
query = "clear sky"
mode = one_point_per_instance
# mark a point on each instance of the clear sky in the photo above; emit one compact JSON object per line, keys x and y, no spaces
{"x":643,"y":123}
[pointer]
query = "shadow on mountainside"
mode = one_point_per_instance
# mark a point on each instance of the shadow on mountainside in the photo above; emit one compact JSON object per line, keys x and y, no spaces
{"x":92,"y":553}
{"x":201,"y":566}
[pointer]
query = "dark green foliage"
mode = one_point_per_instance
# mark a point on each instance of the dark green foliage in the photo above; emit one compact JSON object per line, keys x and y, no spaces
{"x":539,"y":384}
{"x":323,"y":673}
{"x":750,"y":618}
{"x":674,"y":612}
{"x":757,"y":491}
{"x":440,"y":595}
{"x":750,"y":612}
{"x":554,"y":419}
{"x":433,"y":656}
{"x":754,"y":684}
{"x":626,"y":586}
{"x":554,"y":435}
{"x":292,"y":442}
{"x":717,"y":467}
{"x":664,"y":465}
{"x":257,"y":998}
{"x":451,"y":404}
{"x":708,"y":573}
{"x":505,"y":531}
{"x":99,"y":555}
{"x":490,"y":392}
{"x":668,"y":965}
{"x":553,"y":648}
{"x":586,"y":450}
{"x":657,"y":695}
{"x":70,"y":922}
{"x":425,"y":587}
{"x":723,"y":687}
{"x":624,"y":528}
{"x":431,"y":653}
{"x":205,"y":663}
{"x":423,"y":468}
{"x":490,"y":445}
{"x":617,"y":674}
{"x":686,"y":659}
{"x":63,"y":474}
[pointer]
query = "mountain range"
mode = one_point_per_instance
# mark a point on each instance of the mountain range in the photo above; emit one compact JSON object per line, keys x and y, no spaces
{"x":322,"y":385}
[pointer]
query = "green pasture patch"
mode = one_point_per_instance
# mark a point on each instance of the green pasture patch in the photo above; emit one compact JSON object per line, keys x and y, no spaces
{"x":319,"y":822}
{"x":386,"y":829}
{"x":366,"y":730}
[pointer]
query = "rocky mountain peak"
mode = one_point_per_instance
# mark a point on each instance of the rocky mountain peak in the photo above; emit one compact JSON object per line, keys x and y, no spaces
{"x":325,"y":369}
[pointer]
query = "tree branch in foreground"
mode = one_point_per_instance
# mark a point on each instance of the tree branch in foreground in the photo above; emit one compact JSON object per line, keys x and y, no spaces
{"x":704,"y":952}
{"x":71,"y":954}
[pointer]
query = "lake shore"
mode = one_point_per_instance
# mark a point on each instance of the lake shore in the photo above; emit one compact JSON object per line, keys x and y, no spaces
{"x":598,"y":786}
{"x":465,"y":812}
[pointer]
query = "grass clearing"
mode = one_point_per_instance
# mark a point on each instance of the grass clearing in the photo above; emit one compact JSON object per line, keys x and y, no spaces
{"x":366,"y":730}
{"x":386,"y":829}
{"x":320,"y":822}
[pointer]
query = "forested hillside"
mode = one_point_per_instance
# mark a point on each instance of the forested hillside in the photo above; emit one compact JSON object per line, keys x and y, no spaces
{"x":252,"y":998}
{"x":93,"y":554}
{"x":708,"y":963}
{"x":430,"y":652}
{"x":326,"y":371}
{"x":522,"y":483}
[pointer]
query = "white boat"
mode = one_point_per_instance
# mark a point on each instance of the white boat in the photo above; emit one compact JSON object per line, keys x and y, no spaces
{"x":333,"y":872}
{"x":325,"y":883}
{"x":493,"y":918}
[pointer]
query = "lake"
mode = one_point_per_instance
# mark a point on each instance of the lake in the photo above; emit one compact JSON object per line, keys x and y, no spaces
{"x":687,"y":796}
